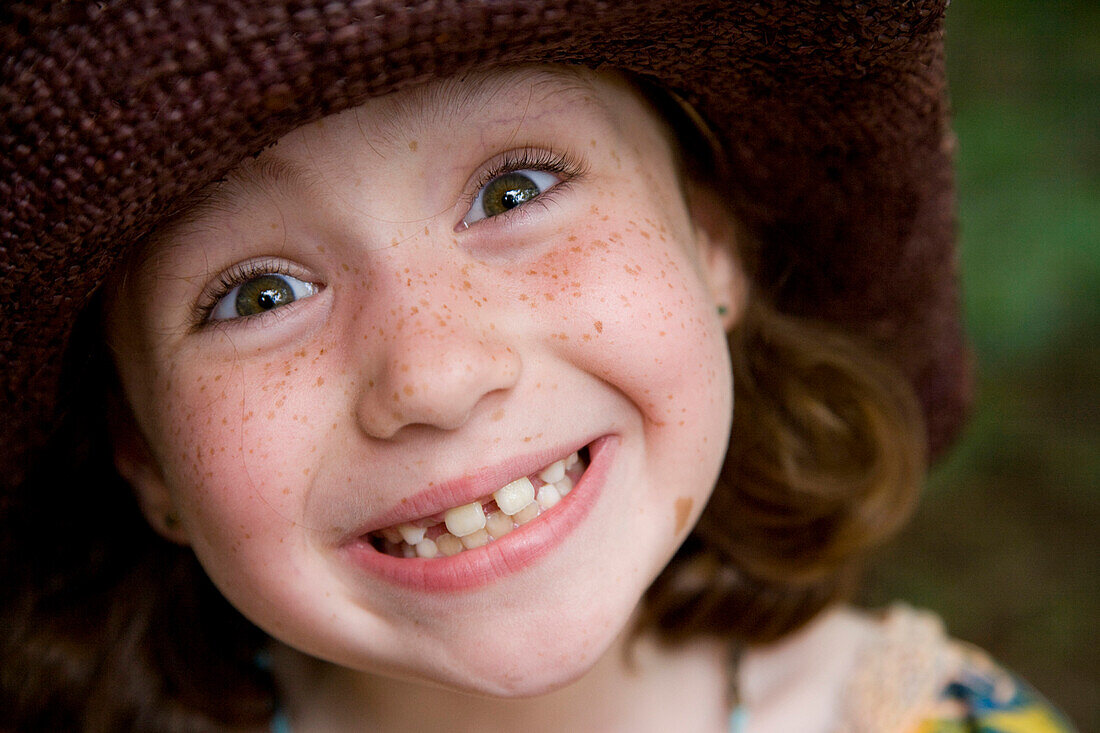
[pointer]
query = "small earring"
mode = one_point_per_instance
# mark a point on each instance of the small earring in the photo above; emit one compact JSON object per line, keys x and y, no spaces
{"x":171,"y":520}
{"x":723,"y":310}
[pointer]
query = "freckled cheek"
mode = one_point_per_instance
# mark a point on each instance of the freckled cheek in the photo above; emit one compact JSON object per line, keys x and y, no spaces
{"x":251,"y":450}
{"x":640,"y":318}
{"x":631,"y":284}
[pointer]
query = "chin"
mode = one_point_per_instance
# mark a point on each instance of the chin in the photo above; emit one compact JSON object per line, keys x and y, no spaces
{"x":531,"y":677}
{"x":534,"y":665}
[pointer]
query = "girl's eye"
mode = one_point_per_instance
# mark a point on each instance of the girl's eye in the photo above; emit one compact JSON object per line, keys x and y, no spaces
{"x":508,"y":191}
{"x":260,"y":294}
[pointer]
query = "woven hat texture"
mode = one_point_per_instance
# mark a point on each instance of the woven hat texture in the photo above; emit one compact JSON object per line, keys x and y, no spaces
{"x":832,"y":115}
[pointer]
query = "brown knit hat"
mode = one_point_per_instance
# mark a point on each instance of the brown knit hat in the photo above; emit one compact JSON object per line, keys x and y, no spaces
{"x":832,"y":115}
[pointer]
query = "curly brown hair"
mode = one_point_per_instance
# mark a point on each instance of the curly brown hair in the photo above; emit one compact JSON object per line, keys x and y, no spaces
{"x":825,"y":462}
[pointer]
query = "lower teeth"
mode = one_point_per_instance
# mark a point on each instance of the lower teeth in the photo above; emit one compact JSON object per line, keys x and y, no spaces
{"x":435,"y":541}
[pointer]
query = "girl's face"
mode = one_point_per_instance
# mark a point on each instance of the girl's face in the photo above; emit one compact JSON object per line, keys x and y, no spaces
{"x":398,"y":311}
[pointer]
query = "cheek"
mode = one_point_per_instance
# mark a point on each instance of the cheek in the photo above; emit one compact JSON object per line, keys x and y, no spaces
{"x":624,"y":298}
{"x":240,"y":444}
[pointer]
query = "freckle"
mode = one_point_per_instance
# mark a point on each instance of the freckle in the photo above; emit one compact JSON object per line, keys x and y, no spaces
{"x":271,"y":415}
{"x":413,"y":145}
{"x":409,"y":390}
{"x":320,"y":381}
{"x":523,"y":296}
{"x":599,"y":326}
{"x":396,"y":397}
{"x":497,"y":416}
{"x":683,"y":511}
{"x":548,"y":296}
{"x":345,"y":267}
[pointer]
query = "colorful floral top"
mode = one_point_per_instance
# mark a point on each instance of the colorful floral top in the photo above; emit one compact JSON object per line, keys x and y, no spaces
{"x":912,"y":678}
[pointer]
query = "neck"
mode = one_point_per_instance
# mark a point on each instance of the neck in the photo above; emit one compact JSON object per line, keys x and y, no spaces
{"x":637,"y":685}
{"x":799,"y":683}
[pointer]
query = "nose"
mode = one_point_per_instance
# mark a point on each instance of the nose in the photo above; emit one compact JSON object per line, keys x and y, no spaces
{"x":434,"y":372}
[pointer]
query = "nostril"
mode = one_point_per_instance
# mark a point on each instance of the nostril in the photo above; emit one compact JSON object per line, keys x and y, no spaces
{"x":438,"y":383}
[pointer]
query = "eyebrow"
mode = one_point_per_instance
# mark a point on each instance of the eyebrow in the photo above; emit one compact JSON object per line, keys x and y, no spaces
{"x":452,"y":100}
{"x":269,"y":173}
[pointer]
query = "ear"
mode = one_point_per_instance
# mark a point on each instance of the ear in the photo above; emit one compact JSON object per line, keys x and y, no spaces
{"x":717,"y":251}
{"x":135,"y":462}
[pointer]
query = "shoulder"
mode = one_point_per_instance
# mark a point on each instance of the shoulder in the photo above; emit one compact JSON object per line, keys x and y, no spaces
{"x":910,"y":676}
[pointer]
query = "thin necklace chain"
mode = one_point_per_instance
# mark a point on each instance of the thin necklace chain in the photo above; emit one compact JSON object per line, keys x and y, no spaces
{"x":739,"y":717}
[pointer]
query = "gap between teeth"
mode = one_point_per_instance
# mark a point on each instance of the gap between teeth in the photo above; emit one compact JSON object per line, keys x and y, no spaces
{"x":470,"y":526}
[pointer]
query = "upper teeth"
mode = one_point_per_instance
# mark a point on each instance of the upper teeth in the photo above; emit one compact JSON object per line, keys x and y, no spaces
{"x":468,"y":527}
{"x":518,"y":494}
{"x":554,"y":472}
{"x":411,"y":534}
{"x":464,"y":520}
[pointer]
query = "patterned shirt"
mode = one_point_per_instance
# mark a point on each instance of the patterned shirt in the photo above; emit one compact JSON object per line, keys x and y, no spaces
{"x":912,"y":678}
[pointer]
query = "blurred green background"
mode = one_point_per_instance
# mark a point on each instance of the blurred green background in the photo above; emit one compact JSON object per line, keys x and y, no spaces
{"x":1006,"y":545}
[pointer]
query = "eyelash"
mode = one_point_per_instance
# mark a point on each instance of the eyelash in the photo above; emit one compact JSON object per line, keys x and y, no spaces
{"x":541,"y":159}
{"x":236,"y":275}
{"x":547,"y":160}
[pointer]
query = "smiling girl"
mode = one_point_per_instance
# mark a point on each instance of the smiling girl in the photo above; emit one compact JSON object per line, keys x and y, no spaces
{"x":390,"y":382}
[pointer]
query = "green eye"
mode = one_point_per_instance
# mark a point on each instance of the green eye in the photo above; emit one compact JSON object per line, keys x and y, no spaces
{"x":259,"y":295}
{"x":507,"y":191}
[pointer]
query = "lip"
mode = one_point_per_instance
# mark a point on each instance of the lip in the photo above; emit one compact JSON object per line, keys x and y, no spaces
{"x":510,"y":554}
{"x":464,"y":489}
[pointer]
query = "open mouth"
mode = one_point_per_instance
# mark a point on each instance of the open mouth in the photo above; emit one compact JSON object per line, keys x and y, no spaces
{"x":484,"y":520}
